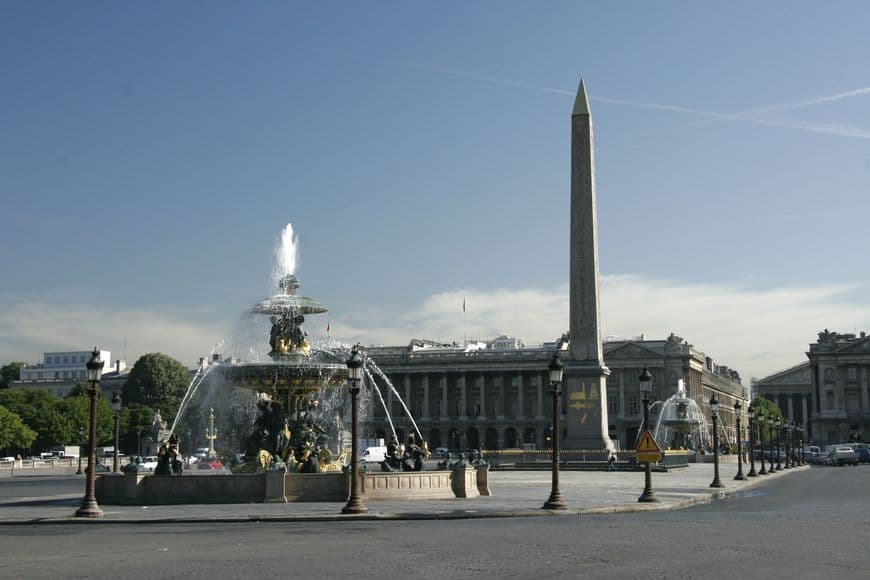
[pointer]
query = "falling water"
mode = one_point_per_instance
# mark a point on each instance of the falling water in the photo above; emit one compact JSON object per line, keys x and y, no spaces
{"x":381,"y":399}
{"x":201,"y":373}
{"x":383,"y":376}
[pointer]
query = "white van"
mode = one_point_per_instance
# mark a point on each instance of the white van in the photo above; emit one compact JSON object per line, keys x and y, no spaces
{"x":374,"y":454}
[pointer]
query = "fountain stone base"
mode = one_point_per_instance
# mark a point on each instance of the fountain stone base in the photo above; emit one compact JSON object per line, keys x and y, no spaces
{"x":276,"y":486}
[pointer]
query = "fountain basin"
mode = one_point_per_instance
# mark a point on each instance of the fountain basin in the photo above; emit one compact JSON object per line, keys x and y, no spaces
{"x":277,"y":486}
{"x":300,"y":377}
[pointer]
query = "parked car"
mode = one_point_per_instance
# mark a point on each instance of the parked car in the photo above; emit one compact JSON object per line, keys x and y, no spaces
{"x":209,"y":463}
{"x":863,"y":454}
{"x":843,"y":455}
{"x":149,"y":462}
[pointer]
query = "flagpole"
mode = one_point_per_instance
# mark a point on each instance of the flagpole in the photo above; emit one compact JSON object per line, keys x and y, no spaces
{"x":464,"y":326}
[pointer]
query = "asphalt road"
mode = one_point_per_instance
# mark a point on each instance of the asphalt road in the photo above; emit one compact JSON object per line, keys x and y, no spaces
{"x":815,"y":524}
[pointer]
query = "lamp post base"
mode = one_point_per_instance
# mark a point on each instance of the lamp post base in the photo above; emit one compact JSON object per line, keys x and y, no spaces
{"x":89,"y":509}
{"x":739,"y":477}
{"x":555,"y":502}
{"x":354,"y":506}
{"x":648,"y":496}
{"x":717,"y":483}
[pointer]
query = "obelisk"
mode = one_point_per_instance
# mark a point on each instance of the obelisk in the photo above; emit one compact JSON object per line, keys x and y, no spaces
{"x":585,"y":374}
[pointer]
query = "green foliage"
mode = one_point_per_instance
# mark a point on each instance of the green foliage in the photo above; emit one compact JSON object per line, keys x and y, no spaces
{"x":56,"y":421}
{"x":77,"y":407}
{"x":136,"y":419}
{"x":157,"y":381}
{"x":10,"y":372}
{"x":14,"y":434}
{"x":43,"y":413}
{"x":769,"y":409}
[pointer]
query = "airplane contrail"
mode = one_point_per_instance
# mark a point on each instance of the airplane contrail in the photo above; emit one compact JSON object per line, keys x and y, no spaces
{"x":748,"y":116}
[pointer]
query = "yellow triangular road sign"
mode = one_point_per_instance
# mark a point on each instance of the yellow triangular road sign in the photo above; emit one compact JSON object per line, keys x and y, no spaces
{"x":648,"y":444}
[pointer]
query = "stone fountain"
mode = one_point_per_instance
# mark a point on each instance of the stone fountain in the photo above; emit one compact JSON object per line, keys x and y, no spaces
{"x":681,"y":424}
{"x":286,"y":454}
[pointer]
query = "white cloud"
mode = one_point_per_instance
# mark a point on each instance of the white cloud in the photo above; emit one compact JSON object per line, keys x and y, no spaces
{"x":30,"y":327}
{"x":756,"y":332}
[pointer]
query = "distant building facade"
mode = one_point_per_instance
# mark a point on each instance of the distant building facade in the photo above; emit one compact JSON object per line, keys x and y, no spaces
{"x":830,"y":392}
{"x":59,"y":372}
{"x":499,"y":396}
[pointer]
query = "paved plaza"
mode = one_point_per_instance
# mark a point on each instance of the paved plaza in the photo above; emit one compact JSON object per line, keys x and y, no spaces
{"x":514,"y":494}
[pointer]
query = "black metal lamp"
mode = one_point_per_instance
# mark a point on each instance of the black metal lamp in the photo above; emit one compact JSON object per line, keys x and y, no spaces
{"x":90,"y":508}
{"x":750,"y":411}
{"x":737,"y":408}
{"x":116,"y":407}
{"x":557,"y":370}
{"x":714,"y":413}
{"x":762,"y":423}
{"x":354,"y":375}
{"x":645,"y":382}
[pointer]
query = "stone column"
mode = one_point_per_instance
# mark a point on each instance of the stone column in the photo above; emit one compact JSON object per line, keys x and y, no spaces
{"x":539,"y":396}
{"x":621,"y":384}
{"x":390,"y":400}
{"x":498,"y":383}
{"x":480,"y":382}
{"x":790,"y":406}
{"x":804,"y":404}
{"x":463,"y":402}
{"x":408,"y":392}
{"x":443,"y":411}
{"x":424,"y":380}
{"x":517,"y":382}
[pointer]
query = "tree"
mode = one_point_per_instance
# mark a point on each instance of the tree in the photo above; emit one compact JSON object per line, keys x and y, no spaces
{"x":769,"y":409}
{"x":77,"y":407}
{"x":43,"y":413}
{"x":10,"y":372}
{"x":157,"y":381}
{"x":14,"y":434}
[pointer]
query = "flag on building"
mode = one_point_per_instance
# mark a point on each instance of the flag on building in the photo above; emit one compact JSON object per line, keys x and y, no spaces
{"x":463,"y":304}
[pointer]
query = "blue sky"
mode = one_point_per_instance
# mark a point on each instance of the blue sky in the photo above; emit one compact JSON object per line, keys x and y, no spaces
{"x":150,"y":154}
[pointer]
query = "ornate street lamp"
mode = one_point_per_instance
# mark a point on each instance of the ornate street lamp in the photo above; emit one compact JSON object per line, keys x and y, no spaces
{"x":89,"y":508}
{"x":714,"y":412}
{"x":81,"y":449}
{"x":800,"y":454}
{"x":116,"y":407}
{"x":739,"y":477}
{"x":645,"y":380}
{"x":771,"y":423}
{"x":354,"y":375}
{"x":788,"y":446}
{"x":761,"y":421}
{"x":778,"y":443}
{"x":751,"y":412}
{"x":555,"y":501}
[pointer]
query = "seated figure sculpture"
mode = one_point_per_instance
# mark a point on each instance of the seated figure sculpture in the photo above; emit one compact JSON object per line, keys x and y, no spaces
{"x":168,"y":461}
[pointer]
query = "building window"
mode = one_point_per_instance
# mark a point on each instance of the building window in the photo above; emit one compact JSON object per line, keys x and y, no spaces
{"x":82,"y":359}
{"x":612,"y":402}
{"x":66,"y":360}
{"x":39,"y":376}
{"x":829,"y":375}
{"x":56,"y":375}
{"x":632,"y":405}
{"x":852,"y":374}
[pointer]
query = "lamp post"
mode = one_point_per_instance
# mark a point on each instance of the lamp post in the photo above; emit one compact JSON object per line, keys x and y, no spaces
{"x":751,"y":412}
{"x":354,"y":375}
{"x":89,"y":508}
{"x":555,"y":501}
{"x":645,"y":380}
{"x":714,"y":412}
{"x":761,"y":422}
{"x":771,"y":423}
{"x":739,"y":477}
{"x":116,"y":407}
{"x":800,"y":453}
{"x":778,"y":443}
{"x":81,"y":449}
{"x":788,"y":445}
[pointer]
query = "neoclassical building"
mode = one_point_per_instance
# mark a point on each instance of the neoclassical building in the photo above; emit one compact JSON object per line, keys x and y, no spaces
{"x":496,"y":397}
{"x":830,"y":392}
